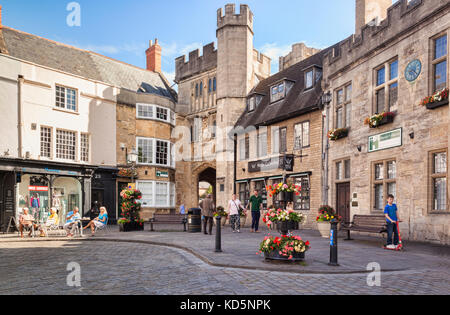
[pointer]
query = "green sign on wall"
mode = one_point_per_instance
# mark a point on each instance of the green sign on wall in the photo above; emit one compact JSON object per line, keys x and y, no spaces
{"x":386,"y":140}
{"x":162,"y":174}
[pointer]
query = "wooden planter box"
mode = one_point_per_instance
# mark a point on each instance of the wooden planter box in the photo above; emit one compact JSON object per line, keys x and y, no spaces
{"x":386,"y":120}
{"x":275,"y":255}
{"x":435,"y":105}
{"x":131,"y":227}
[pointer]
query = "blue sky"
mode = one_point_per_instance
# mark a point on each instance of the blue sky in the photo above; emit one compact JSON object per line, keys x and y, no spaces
{"x":122,"y":29}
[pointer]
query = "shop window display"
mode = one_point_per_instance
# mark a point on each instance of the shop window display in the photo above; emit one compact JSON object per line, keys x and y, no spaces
{"x":34,"y":193}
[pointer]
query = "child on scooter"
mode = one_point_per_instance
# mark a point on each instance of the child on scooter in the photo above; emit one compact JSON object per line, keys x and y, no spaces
{"x":391,"y":213}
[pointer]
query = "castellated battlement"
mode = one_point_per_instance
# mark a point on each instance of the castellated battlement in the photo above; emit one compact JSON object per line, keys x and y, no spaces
{"x":403,"y":16}
{"x":196,"y":64}
{"x":245,"y":16}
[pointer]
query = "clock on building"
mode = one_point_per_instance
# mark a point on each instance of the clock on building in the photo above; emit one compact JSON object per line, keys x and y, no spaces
{"x":413,"y":70}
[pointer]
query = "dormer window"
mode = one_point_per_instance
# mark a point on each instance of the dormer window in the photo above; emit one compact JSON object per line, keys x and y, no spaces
{"x":280,"y":90}
{"x":312,"y":76}
{"x":309,"y":79}
{"x":251,"y":104}
{"x":253,"y":101}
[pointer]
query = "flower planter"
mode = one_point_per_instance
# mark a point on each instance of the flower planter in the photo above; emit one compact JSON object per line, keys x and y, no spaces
{"x":243,"y":221}
{"x":435,"y":105}
{"x":223,"y":221}
{"x":338,"y":134}
{"x":275,"y":255}
{"x":324,"y":229}
{"x":389,"y":119}
{"x":131,"y":227}
{"x":285,"y":227}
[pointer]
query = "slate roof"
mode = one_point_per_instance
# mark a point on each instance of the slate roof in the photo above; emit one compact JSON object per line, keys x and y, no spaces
{"x":83,"y":63}
{"x":297,"y":101}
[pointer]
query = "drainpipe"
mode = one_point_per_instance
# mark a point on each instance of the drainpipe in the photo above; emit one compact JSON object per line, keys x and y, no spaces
{"x":19,"y":116}
{"x":235,"y":164}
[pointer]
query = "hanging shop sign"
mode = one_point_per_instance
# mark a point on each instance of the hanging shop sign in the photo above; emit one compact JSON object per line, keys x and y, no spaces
{"x":386,"y":140}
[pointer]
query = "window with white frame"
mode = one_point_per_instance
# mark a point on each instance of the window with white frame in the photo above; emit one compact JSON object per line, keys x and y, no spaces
{"x":154,"y":152}
{"x":144,"y":111}
{"x":149,"y":111}
{"x":162,"y":152}
{"x":84,"y":147}
{"x":277,"y":92}
{"x":145,"y":151}
{"x":157,"y":194}
{"x":146,"y":188}
{"x":66,"y":98}
{"x":46,"y":142}
{"x":66,"y":145}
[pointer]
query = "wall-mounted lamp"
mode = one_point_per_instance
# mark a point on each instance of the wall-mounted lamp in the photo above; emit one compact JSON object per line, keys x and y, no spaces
{"x":243,"y":170}
{"x":412,"y":135}
{"x":359,"y":147}
{"x":326,"y":98}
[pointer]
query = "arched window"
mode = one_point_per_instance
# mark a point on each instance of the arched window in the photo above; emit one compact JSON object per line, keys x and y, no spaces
{"x":214,"y":84}
{"x":209,"y":86}
{"x":196,"y":90}
{"x":201,"y":88}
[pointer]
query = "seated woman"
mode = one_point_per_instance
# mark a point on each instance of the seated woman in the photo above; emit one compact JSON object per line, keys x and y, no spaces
{"x":98,"y":222}
{"x":52,"y":220}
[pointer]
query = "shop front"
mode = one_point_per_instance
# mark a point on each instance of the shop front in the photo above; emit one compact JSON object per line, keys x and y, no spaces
{"x":40,"y":187}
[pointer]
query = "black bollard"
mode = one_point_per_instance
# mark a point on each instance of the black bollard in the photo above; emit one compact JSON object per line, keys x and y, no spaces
{"x":218,"y":235}
{"x":334,"y":244}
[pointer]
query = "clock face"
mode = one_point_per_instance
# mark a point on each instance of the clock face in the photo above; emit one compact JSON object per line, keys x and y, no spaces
{"x":413,"y":70}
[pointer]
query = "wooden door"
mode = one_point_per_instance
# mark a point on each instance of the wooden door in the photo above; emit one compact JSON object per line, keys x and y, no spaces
{"x":343,"y":201}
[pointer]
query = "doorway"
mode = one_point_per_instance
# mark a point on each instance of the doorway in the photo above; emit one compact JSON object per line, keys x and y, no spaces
{"x":343,"y":201}
{"x":206,"y":184}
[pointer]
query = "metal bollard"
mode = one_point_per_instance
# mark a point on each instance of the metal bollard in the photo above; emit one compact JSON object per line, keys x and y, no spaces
{"x":218,"y":235}
{"x":334,"y":244}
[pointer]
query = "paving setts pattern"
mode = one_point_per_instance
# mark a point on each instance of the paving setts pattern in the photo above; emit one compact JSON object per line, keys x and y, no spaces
{"x":131,"y":268}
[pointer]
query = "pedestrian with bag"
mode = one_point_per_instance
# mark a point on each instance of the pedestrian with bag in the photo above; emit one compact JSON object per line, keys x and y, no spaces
{"x":235,"y":210}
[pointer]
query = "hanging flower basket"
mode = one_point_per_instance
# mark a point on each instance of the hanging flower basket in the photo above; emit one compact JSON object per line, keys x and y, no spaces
{"x":378,"y":120}
{"x":439,"y":99}
{"x":337,"y":134}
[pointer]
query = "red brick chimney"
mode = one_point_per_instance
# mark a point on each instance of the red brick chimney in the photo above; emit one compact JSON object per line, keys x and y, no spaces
{"x":154,"y":57}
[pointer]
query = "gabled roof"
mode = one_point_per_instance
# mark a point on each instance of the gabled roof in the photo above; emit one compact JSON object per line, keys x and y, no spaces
{"x":297,"y":102}
{"x":83,"y":63}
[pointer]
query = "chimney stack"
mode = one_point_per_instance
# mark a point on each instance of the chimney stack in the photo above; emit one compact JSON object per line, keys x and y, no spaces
{"x":154,"y":57}
{"x":368,"y":10}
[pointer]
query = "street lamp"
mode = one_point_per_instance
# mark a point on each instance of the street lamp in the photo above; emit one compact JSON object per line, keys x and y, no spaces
{"x":132,"y":159}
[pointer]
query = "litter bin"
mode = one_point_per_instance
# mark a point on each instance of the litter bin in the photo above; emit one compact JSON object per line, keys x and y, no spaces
{"x":195,"y":221}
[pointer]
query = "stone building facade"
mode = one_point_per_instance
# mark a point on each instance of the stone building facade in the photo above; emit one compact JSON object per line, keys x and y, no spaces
{"x":279,"y":137}
{"x":212,"y":95}
{"x":390,"y":66}
{"x":298,"y":53}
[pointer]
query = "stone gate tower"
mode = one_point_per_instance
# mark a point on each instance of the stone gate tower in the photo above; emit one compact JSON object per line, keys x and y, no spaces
{"x":235,"y":79}
{"x":212,"y":91}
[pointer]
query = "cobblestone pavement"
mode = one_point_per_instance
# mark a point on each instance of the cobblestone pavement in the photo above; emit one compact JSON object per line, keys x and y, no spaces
{"x":132,"y":268}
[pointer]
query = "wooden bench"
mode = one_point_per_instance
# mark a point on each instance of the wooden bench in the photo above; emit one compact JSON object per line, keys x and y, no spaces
{"x":366,"y":223}
{"x":168,"y":219}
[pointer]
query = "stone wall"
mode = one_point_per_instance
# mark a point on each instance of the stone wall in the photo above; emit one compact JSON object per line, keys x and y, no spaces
{"x":424,"y":131}
{"x":310,"y":162}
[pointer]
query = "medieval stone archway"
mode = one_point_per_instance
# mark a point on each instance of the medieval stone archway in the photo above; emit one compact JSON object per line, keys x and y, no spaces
{"x":203,"y":172}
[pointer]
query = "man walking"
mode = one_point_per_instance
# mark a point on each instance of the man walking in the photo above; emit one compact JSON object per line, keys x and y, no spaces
{"x":207,"y":206}
{"x":256,"y":207}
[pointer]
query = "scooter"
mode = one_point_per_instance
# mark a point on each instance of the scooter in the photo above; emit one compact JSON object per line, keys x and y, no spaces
{"x":400,"y":243}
